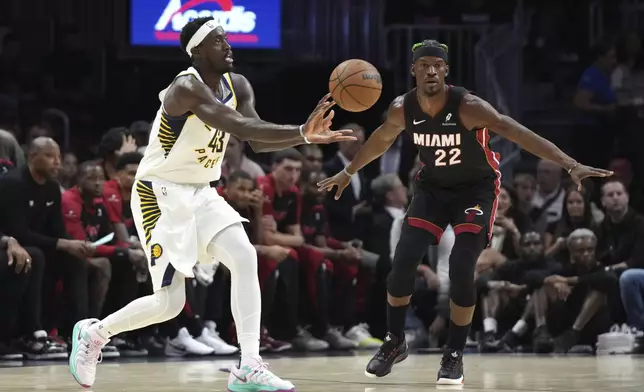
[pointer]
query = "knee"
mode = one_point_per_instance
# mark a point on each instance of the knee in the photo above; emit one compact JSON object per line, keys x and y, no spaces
{"x":631,"y":277}
{"x":171,"y":302}
{"x":102,"y":268}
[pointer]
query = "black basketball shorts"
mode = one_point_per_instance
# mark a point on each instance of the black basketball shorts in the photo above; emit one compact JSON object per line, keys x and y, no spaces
{"x":469,"y":209}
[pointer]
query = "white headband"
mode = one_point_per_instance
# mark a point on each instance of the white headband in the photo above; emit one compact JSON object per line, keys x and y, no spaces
{"x":200,"y":35}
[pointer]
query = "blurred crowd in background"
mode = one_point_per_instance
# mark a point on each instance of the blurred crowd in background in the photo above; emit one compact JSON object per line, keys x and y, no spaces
{"x":564,"y":265}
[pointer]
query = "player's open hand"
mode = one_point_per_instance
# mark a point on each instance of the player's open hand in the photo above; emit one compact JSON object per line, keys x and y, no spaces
{"x":341,"y":180}
{"x":580,"y":172}
{"x":317,"y":128}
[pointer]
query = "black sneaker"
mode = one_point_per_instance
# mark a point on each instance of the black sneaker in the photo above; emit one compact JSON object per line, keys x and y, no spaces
{"x":542,"y":340}
{"x":390,"y":353}
{"x":489,"y":343}
{"x":567,"y":340}
{"x":509,"y":342}
{"x":451,"y":371}
{"x":128,"y":348}
{"x":8,"y":353}
{"x":41,"y":347}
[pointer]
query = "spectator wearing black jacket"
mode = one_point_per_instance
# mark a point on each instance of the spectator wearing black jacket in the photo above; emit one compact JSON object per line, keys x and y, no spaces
{"x":621,"y":243}
{"x":30,"y":211}
{"x":572,"y":301}
{"x":504,"y":293}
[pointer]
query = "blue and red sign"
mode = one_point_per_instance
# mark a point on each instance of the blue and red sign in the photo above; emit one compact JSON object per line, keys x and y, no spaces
{"x":249,"y":23}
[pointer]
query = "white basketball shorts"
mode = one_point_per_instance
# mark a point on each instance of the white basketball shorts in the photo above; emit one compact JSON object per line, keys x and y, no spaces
{"x":176,"y":223}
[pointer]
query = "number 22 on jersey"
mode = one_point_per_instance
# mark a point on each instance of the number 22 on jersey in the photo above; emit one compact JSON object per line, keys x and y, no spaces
{"x":446,"y":157}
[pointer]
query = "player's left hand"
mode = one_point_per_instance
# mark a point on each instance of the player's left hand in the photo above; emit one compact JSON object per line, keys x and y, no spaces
{"x":317,"y":128}
{"x":580,"y":172}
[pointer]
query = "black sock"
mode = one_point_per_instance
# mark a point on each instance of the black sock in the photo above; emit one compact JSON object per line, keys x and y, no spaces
{"x":396,"y":320}
{"x":457,"y":336}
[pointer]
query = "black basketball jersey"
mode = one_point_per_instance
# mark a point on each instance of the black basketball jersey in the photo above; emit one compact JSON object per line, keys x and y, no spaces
{"x":451,"y":154}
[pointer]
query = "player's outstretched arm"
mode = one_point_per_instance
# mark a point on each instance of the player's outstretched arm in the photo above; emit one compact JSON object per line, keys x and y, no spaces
{"x":246,"y":106}
{"x":379,"y":142}
{"x":476,"y":113}
{"x":188,"y":94}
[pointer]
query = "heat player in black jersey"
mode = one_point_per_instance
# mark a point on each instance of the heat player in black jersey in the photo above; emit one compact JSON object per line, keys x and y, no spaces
{"x":457,"y":185}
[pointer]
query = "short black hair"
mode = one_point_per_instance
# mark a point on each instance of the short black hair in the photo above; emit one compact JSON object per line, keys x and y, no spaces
{"x":190,"y":29}
{"x":84,"y":167}
{"x":112,"y":141}
{"x":239,"y":175}
{"x":307,"y":173}
{"x":430,"y":43}
{"x":612,"y":181}
{"x":130,"y":158}
{"x":289,"y":153}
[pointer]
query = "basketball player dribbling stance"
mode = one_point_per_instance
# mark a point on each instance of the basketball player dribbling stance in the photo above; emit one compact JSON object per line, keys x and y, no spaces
{"x":181,"y":219}
{"x":458,"y":186}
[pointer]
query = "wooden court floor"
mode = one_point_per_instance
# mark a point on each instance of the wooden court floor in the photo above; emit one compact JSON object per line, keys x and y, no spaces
{"x":346,"y":374}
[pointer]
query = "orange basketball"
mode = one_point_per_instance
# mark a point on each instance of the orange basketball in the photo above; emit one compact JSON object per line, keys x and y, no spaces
{"x":355,"y":85}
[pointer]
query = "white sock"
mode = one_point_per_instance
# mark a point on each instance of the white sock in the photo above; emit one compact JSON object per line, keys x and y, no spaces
{"x":489,"y":324}
{"x":161,"y":306}
{"x":233,"y":249}
{"x":520,"y":327}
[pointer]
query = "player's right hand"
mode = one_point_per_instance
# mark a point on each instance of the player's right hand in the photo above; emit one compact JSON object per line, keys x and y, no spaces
{"x":317,"y":129}
{"x":341,"y":180}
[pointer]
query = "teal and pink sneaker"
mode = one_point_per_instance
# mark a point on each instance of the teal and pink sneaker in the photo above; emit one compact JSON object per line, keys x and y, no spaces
{"x":255,"y":377}
{"x":86,"y":353}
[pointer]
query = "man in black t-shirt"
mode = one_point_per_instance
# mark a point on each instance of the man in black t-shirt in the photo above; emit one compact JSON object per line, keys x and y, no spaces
{"x":30,"y":211}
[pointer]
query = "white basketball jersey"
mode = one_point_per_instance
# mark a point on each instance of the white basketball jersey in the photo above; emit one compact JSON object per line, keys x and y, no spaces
{"x":184,"y":149}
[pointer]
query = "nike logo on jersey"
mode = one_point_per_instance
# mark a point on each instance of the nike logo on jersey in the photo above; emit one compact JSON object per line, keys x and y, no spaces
{"x":418,"y":122}
{"x":49,"y":203}
{"x":437,"y":140}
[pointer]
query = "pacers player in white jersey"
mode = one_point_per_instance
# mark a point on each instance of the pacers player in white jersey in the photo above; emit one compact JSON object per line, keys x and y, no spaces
{"x":181,"y":219}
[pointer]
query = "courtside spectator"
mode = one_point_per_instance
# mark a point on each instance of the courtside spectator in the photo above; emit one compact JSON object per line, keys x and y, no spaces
{"x":30,"y":211}
{"x":114,"y":143}
{"x":11,"y":154}
{"x":623,"y":170}
{"x":572,"y":301}
{"x":117,"y":193}
{"x":621,"y":243}
{"x":313,"y":157}
{"x":547,"y":203}
{"x":343,"y":213}
{"x":525,"y":186}
{"x":277,"y":265}
{"x":346,"y":257}
{"x":235,"y":159}
{"x":283,"y":200}
{"x":21,"y":274}
{"x":68,"y":171}
{"x":577,"y":214}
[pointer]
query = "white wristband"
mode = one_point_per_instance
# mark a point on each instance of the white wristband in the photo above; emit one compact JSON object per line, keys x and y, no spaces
{"x":347,"y":172}
{"x":302,"y":134}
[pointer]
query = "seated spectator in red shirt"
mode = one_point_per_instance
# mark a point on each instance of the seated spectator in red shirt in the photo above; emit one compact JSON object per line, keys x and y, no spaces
{"x":313,"y":157}
{"x":277,"y":268}
{"x":67,"y":175}
{"x":345,"y":256}
{"x":117,"y":194}
{"x":87,"y":218}
{"x":114,"y":143}
{"x":284,"y":202}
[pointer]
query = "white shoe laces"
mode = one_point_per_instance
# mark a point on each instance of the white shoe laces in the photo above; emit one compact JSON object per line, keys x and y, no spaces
{"x":92,"y":353}
{"x":261,"y":372}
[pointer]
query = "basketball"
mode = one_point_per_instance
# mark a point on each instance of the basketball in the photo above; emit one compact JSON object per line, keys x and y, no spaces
{"x":355,"y":85}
